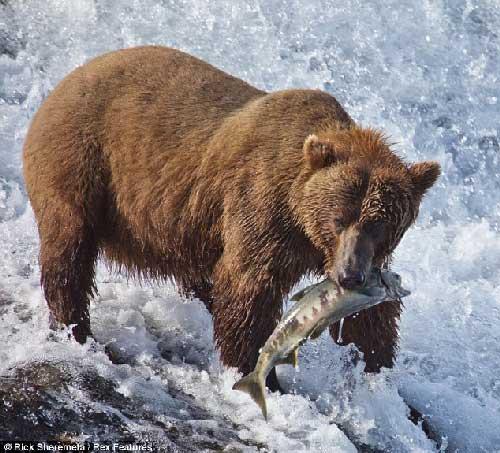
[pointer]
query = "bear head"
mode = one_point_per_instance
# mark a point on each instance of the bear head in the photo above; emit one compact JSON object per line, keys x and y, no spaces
{"x":358,"y":200}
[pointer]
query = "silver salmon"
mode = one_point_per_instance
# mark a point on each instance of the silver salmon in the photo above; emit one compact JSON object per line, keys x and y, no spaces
{"x":316,"y":307}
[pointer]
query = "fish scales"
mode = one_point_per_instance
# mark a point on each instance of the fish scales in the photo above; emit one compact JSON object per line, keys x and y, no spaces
{"x":316,"y":307}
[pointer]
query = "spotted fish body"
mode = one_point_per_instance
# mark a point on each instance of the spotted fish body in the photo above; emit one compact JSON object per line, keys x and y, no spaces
{"x":315,"y":309}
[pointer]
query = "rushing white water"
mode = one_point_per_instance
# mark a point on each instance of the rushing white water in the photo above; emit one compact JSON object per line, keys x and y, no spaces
{"x":341,"y":325}
{"x":426,"y":73}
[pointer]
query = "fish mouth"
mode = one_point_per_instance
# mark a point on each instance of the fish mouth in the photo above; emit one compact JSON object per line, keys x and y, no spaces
{"x":377,"y":279}
{"x":392,"y":282}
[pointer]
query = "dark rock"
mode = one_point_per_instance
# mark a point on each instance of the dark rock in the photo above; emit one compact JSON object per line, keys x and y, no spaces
{"x":40,"y":403}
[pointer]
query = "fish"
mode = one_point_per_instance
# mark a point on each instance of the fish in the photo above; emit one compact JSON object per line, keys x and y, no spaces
{"x":315,"y":308}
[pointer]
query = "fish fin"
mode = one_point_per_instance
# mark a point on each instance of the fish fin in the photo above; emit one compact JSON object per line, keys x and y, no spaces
{"x":290,"y":359}
{"x":253,"y":384}
{"x":297,"y":296}
{"x":316,"y":333}
{"x":300,"y":294}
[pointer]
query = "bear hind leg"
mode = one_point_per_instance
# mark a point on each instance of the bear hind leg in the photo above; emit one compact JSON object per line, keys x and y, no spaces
{"x":68,"y":254}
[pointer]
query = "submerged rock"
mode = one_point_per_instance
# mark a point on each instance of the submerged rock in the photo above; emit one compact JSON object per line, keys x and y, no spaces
{"x":60,"y":401}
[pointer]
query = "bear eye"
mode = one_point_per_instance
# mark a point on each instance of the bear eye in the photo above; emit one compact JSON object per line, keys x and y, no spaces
{"x":376,"y":228}
{"x":339,"y":225}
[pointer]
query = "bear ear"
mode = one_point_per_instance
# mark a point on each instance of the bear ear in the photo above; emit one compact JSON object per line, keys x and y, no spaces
{"x":318,"y":154}
{"x":424,"y":175}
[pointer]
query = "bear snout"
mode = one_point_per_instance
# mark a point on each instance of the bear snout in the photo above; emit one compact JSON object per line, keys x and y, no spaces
{"x":350,"y":279}
{"x":353,"y":259}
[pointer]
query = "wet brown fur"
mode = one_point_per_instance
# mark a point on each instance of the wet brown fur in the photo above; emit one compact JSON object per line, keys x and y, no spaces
{"x":173,"y":169}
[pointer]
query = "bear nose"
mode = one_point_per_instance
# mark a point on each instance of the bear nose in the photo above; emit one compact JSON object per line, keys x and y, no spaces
{"x":352,"y":279}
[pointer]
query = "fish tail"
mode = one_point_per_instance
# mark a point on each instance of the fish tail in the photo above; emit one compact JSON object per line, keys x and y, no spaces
{"x":253,"y":384}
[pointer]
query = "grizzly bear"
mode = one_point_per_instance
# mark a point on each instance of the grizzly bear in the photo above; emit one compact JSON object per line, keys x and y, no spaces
{"x":173,"y":169}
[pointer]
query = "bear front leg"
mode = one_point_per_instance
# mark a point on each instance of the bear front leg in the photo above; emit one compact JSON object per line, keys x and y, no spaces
{"x":246,"y":310}
{"x":375,"y":332}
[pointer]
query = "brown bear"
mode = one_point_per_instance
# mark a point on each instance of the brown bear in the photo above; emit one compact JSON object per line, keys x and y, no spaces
{"x":173,"y":169}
